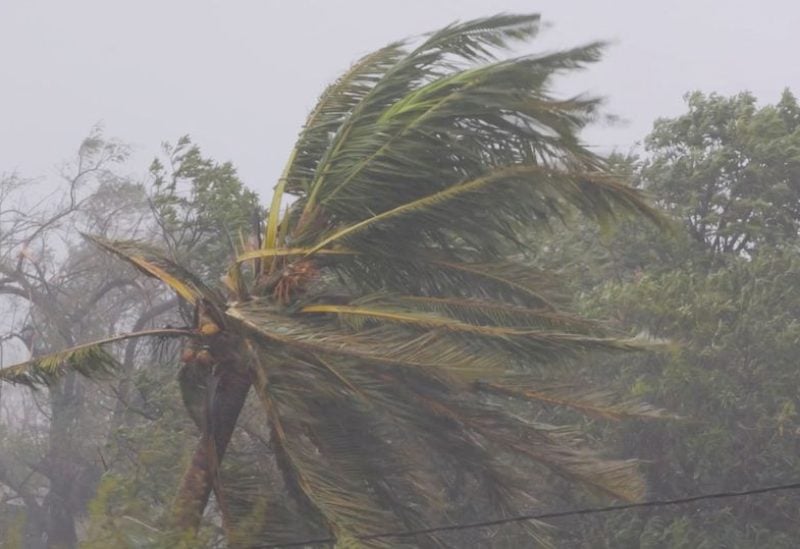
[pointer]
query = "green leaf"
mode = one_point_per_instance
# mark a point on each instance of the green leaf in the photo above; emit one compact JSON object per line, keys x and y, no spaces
{"x":89,"y":359}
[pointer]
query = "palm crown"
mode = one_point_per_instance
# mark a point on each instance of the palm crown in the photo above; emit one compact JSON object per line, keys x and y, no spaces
{"x":385,"y":320}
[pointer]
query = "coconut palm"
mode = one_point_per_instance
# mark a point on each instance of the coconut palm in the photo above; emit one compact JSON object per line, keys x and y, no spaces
{"x":386,"y":320}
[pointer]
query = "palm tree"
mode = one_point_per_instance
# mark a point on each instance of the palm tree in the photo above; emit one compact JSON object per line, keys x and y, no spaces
{"x":387,"y":322}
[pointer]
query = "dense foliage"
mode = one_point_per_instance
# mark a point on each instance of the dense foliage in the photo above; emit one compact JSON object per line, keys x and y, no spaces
{"x":727,"y":291}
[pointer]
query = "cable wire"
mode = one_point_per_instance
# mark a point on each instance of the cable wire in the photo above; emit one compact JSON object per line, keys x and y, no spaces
{"x":550,"y":515}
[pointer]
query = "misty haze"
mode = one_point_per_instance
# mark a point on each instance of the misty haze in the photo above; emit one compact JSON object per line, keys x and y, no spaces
{"x":420,"y":274}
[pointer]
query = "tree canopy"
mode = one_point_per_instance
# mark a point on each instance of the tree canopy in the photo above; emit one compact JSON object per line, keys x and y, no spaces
{"x":725,"y":291}
{"x":730,"y":170}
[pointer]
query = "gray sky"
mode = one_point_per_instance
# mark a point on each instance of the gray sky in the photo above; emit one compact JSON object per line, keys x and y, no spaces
{"x":240,"y":75}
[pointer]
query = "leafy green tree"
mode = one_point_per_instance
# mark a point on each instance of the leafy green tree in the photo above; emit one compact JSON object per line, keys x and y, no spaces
{"x":60,"y":292}
{"x":730,"y":170}
{"x":726,"y":292}
{"x":201,"y":206}
{"x":55,"y":296}
{"x":734,"y":380}
{"x":383,"y":322}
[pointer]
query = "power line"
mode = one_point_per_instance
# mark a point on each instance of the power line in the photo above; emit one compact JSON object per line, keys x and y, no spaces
{"x":550,"y":515}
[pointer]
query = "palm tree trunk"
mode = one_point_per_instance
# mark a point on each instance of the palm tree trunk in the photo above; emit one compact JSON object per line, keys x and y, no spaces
{"x":198,"y":480}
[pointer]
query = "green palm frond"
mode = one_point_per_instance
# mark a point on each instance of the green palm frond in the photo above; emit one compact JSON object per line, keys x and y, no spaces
{"x":556,"y":448}
{"x":561,"y":451}
{"x":434,"y":106}
{"x":273,"y":221}
{"x":334,"y":105}
{"x":434,"y":273}
{"x":154,"y":263}
{"x":89,"y":359}
{"x":487,"y":312}
{"x":528,"y":338}
{"x":442,"y":347}
{"x":344,"y":507}
{"x":444,"y":50}
{"x":547,"y":190}
{"x":453,"y":140}
{"x":285,"y":252}
{"x":372,"y":348}
{"x":358,"y":462}
{"x":588,"y":401}
{"x":428,"y":350}
{"x":358,"y":478}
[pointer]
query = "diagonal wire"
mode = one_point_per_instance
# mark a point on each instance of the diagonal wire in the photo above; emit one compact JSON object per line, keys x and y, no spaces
{"x":550,"y":515}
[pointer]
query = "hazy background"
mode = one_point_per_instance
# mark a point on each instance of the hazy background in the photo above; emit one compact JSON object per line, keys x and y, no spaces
{"x":240,"y":76}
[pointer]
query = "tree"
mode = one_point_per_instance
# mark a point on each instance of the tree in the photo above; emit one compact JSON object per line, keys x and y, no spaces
{"x":730,"y":170}
{"x":733,"y":311}
{"x":54,"y":294}
{"x":60,"y":443}
{"x":734,"y":381}
{"x":202,"y":208}
{"x":382,"y":321}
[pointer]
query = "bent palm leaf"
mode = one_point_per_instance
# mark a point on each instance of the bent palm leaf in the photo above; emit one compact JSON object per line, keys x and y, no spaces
{"x":91,"y":360}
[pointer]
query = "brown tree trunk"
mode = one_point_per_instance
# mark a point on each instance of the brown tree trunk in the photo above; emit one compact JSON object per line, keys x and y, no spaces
{"x":195,"y":488}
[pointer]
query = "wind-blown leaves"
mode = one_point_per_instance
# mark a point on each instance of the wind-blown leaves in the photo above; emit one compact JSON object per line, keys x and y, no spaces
{"x":333,"y":106}
{"x":154,"y":263}
{"x":493,"y":136}
{"x":589,"y":401}
{"x":404,"y":349}
{"x":442,"y":51}
{"x":403,"y":270}
{"x":590,"y":193}
{"x":488,"y":312}
{"x":396,"y":298}
{"x":90,"y":360}
{"x":390,"y":322}
{"x":526,"y":339}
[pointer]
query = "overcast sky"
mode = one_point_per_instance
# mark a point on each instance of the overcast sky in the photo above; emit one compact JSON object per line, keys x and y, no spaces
{"x":239,"y":76}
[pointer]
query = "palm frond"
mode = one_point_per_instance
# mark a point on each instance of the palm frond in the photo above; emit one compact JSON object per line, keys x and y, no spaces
{"x":89,"y":359}
{"x":396,"y":269}
{"x":358,"y":461}
{"x":466,"y":42}
{"x":441,"y":157}
{"x":260,"y":510}
{"x":286,"y":252}
{"x":333,"y":107}
{"x":493,"y":312}
{"x":427,"y":351}
{"x":273,"y":219}
{"x":457,"y":425}
{"x":543,"y":192}
{"x":589,"y":401}
{"x":559,"y":450}
{"x":344,"y":507}
{"x":478,"y":39}
{"x":154,"y":263}
{"x":537,"y":339}
{"x":473,"y":92}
